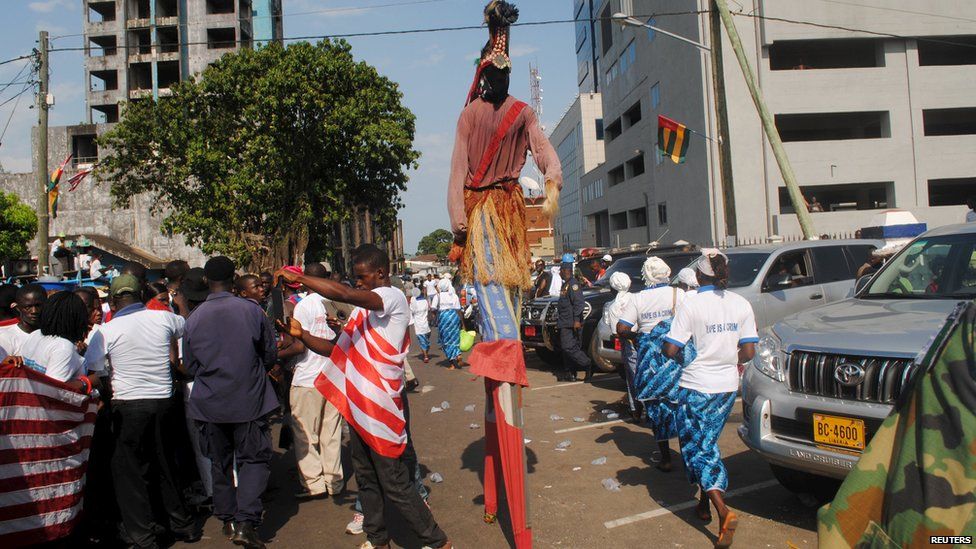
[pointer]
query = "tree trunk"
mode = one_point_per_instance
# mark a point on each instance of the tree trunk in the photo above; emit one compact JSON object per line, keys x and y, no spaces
{"x":271,"y":253}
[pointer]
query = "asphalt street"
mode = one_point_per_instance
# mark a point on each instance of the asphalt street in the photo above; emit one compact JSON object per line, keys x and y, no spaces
{"x":569,"y":505}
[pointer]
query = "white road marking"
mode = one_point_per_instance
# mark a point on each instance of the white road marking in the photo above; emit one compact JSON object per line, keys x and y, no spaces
{"x":571,"y":383}
{"x":682,"y":506}
{"x":589,"y":426}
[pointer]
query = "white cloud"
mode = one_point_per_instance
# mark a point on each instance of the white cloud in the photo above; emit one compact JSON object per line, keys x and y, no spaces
{"x":433,"y":55}
{"x":49,"y":5}
{"x":522,"y":50}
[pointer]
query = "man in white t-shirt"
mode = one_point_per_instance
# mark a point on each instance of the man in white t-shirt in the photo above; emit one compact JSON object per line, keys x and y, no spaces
{"x":95,"y":267}
{"x":30,"y":299}
{"x":140,"y":344}
{"x":317,"y":424}
{"x":430,"y":287}
{"x":384,"y":469}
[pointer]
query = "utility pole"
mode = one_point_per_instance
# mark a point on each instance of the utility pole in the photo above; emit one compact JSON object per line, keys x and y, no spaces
{"x":722,"y":114}
{"x":769,"y":125}
{"x":43,"y":246}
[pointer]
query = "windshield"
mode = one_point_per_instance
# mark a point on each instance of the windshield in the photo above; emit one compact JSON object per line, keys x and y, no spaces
{"x":632,"y":266}
{"x":743,"y":267}
{"x":939,"y":267}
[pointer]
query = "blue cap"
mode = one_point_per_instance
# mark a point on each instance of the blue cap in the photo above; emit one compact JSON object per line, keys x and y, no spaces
{"x":568,"y":258}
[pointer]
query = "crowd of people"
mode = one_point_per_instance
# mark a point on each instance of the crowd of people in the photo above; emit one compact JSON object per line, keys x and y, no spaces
{"x":190,"y":371}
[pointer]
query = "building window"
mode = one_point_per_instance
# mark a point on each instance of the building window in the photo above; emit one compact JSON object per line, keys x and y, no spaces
{"x":651,"y":33}
{"x":611,"y":74}
{"x":635,"y":166}
{"x":951,"y":192}
{"x":606,"y":27}
{"x":221,"y":38}
{"x":628,"y":58}
{"x":637,"y":218}
{"x":220,"y":6}
{"x":613,"y":131}
{"x":599,"y":129}
{"x":84,"y":149}
{"x":101,"y":12}
{"x":655,"y":95}
{"x":825,"y":54}
{"x":839,"y":198}
{"x":104,"y":80}
{"x":833,"y":126}
{"x":662,"y":213}
{"x":616,"y":176}
{"x":618,"y":221}
{"x":598,"y":189}
{"x":658,"y":157}
{"x":949,"y":121}
{"x":633,"y":115}
{"x":947,"y":50}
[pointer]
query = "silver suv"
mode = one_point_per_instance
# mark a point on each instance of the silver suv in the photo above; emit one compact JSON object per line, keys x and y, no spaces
{"x":782,"y":279}
{"x":823,"y":380}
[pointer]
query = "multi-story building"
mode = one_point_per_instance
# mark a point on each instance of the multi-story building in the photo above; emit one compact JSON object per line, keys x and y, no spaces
{"x":140,"y":48}
{"x":871,"y":120}
{"x":586,"y":52}
{"x":578,"y":140}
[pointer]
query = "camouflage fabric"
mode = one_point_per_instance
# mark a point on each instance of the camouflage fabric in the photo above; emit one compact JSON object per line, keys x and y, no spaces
{"x":917,"y":477}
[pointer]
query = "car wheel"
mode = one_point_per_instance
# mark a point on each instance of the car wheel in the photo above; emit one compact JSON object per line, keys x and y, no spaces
{"x":601,"y":363}
{"x":551,"y":358}
{"x":822,"y":488}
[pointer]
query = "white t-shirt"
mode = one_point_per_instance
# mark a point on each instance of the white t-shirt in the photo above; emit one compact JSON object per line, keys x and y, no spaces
{"x":418,"y":310}
{"x":137,"y":346}
{"x":11,"y":339}
{"x":445,"y":301}
{"x":95,"y":359}
{"x":719,"y":321}
{"x":647,"y":308}
{"x":95,"y":268}
{"x":312,"y":315}
{"x":430,"y":286}
{"x":53,"y":356}
{"x":391,"y":323}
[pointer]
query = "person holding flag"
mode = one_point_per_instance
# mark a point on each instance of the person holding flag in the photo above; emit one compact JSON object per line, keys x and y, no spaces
{"x":363,"y":379}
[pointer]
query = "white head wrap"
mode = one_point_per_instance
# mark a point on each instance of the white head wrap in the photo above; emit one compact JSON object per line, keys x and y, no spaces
{"x":608,"y":258}
{"x":415,"y":292}
{"x":704,"y":262}
{"x":620,"y":281}
{"x":655,"y":271}
{"x":687,"y":276}
{"x":444,"y":285}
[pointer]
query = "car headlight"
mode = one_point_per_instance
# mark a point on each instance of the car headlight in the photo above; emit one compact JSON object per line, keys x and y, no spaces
{"x":769,"y":357}
{"x":587,"y":309}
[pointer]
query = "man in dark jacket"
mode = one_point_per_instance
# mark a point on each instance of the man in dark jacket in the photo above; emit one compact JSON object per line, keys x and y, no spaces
{"x":570,"y":325}
{"x":228,"y":348}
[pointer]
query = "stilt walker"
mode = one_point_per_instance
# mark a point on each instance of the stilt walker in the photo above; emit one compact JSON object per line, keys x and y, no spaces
{"x":487,"y":211}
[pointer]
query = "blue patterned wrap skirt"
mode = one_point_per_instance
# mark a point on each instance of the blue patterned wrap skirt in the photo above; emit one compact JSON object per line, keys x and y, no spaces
{"x":449,"y":332}
{"x":656,"y":379}
{"x":700,"y":420}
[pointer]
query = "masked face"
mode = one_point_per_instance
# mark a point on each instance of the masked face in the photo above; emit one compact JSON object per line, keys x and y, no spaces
{"x":493,"y":86}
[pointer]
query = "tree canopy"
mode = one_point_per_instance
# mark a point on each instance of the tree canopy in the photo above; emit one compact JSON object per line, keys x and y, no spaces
{"x":265,"y":148}
{"x":18,"y":225}
{"x":438,"y":242}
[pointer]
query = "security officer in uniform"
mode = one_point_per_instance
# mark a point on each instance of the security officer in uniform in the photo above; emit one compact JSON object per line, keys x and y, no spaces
{"x":570,"y":323}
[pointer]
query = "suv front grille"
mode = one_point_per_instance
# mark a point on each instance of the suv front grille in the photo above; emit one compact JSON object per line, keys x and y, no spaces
{"x":813,"y":374}
{"x":532,"y":312}
{"x":551,"y":313}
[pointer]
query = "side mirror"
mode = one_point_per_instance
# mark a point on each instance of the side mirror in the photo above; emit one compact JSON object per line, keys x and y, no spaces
{"x":862,"y":283}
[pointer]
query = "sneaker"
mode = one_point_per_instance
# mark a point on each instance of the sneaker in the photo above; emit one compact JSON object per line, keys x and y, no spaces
{"x":368,"y":545}
{"x":355,"y":526}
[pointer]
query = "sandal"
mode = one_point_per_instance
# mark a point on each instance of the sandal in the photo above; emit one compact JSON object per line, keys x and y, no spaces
{"x":727,"y":531}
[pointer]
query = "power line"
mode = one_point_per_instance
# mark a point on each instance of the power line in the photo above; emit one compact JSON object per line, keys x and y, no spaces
{"x":28,"y":56}
{"x":12,"y":111}
{"x":14,"y":81}
{"x":21,"y":92}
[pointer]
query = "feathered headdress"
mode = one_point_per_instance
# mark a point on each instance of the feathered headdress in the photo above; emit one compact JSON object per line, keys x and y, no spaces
{"x":499,"y":16}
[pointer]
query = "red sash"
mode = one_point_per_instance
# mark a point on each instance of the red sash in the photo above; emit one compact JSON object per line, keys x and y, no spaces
{"x":496,"y":141}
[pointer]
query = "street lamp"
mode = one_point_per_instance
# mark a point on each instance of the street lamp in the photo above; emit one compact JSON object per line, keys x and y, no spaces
{"x":628,"y":21}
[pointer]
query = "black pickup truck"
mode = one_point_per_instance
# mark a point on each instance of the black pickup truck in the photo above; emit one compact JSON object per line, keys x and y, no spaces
{"x":539,"y":315}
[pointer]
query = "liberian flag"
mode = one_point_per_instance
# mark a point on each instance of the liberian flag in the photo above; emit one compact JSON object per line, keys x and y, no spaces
{"x":362,"y":379}
{"x":45,"y":432}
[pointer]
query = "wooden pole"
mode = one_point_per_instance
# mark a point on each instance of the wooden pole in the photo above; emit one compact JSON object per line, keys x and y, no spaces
{"x":43,"y":246}
{"x":722,"y":114}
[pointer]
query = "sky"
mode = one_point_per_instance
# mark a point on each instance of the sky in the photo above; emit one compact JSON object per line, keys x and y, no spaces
{"x":434,"y":71}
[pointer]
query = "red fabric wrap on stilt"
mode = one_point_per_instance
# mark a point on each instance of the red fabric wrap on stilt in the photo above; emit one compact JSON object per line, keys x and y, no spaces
{"x":501,"y":360}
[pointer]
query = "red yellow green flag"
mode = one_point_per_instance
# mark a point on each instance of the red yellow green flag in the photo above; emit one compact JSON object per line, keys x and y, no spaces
{"x":53,"y":188}
{"x":672,"y":139}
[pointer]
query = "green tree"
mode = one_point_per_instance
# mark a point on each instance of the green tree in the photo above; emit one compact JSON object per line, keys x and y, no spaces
{"x":18,"y":225}
{"x":266,"y":148}
{"x":437,"y":242}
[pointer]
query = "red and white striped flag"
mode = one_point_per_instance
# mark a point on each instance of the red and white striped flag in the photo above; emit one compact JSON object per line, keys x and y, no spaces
{"x":45,"y":432}
{"x":362,"y":379}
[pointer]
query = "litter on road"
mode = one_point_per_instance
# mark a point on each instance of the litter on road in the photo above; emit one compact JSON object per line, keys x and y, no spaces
{"x":611,"y":484}
{"x":602,"y":460}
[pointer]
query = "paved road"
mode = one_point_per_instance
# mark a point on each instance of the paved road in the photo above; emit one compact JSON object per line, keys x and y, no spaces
{"x":570,"y":508}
